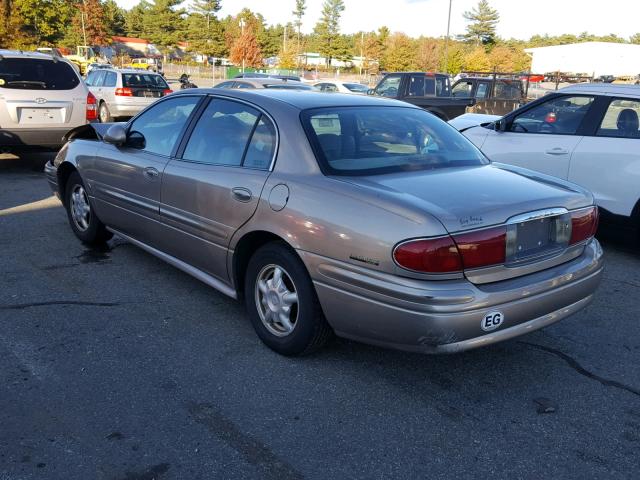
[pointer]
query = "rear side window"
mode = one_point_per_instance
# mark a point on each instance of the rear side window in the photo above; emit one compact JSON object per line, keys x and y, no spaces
{"x":507,"y":90}
{"x":421,"y":85}
{"x":37,"y":74}
{"x":233,"y":134}
{"x":143,"y":80}
{"x":621,"y":119}
{"x":110,"y":79}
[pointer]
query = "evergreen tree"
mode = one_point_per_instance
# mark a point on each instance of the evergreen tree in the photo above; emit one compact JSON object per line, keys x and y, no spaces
{"x":134,"y":19}
{"x":114,"y":18}
{"x":205,"y":32}
{"x":483,"y":21}
{"x":328,"y":29}
{"x":298,"y":13}
{"x":163,"y":23}
{"x":635,"y":39}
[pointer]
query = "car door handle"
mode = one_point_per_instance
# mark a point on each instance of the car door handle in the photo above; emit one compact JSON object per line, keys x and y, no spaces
{"x":151,"y":173}
{"x":241,"y":194}
{"x":557,"y":151}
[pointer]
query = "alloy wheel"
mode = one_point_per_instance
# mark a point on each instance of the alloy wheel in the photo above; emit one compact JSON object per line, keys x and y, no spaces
{"x":276,"y":299}
{"x":80,"y":209}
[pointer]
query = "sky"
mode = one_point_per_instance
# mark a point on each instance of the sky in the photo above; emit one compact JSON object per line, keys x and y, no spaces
{"x":518,"y":18}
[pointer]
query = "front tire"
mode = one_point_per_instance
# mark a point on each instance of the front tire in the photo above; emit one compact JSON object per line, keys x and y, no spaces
{"x":83,"y":220}
{"x":282,"y":303}
{"x":104,"y":114}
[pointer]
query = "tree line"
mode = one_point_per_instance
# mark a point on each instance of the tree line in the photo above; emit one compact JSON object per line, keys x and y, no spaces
{"x":246,"y":37}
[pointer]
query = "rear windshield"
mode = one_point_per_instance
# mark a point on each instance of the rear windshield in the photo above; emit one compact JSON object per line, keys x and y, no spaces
{"x":288,"y":86}
{"x":37,"y":74}
{"x":143,"y":80}
{"x":373,"y":140}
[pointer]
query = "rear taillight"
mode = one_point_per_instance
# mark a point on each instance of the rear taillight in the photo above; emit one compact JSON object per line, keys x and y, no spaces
{"x":124,"y":92}
{"x":167,"y":91}
{"x":483,"y":247}
{"x":433,"y":255}
{"x":92,"y":108}
{"x":584,"y":224}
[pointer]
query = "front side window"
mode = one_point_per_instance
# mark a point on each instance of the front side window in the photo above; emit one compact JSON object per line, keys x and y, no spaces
{"x":621,"y":119}
{"x":37,"y":74}
{"x":462,"y":89}
{"x":356,"y":87}
{"x":559,"y":115}
{"x":243,"y":85}
{"x":389,"y":86}
{"x":373,"y":140}
{"x":223,"y":133}
{"x":158,"y":128}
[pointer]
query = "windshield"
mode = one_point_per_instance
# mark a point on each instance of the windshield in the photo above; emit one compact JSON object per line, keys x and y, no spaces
{"x":143,"y":80}
{"x":36,"y":74}
{"x":373,"y":140}
{"x":356,"y":87}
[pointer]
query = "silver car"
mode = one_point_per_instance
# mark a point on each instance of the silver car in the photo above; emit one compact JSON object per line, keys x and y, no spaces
{"x":42,"y":97}
{"x":268,"y":82}
{"x":364,"y":217}
{"x":124,"y":93}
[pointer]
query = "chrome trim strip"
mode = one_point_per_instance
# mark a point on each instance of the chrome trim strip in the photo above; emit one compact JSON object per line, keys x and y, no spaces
{"x":537,"y":215}
{"x":185,"y":267}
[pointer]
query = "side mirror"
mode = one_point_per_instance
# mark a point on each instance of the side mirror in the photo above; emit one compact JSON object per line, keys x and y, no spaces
{"x":371,"y":91}
{"x":500,"y":125}
{"x":116,"y":135}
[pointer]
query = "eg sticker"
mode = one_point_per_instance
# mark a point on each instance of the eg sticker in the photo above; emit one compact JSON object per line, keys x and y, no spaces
{"x":491,"y":321}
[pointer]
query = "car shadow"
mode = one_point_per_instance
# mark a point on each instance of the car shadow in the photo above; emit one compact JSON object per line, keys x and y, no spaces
{"x":25,"y":161}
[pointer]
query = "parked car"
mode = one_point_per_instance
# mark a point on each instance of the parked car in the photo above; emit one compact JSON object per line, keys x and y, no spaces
{"x":266,"y":82}
{"x":586,"y":133}
{"x":267,"y":75}
{"x":123,"y":93}
{"x":97,"y":66}
{"x":42,"y":97}
{"x":496,"y":96}
{"x":333,"y":86}
{"x":362,"y":216}
{"x":431,"y":91}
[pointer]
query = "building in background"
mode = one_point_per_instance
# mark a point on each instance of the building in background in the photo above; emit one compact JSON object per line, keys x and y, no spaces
{"x":588,"y":58}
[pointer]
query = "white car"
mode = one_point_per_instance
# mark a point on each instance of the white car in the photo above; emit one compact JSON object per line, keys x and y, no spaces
{"x":587,"y":133}
{"x":333,"y":86}
{"x":42,"y":97}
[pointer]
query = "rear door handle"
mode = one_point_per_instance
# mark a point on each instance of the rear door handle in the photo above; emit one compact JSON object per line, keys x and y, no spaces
{"x":151,"y":173}
{"x":241,"y":194}
{"x":557,"y":151}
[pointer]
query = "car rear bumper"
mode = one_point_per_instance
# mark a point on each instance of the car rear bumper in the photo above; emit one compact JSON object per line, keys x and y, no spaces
{"x":40,"y":137}
{"x":129,"y":107}
{"x":445,"y":316}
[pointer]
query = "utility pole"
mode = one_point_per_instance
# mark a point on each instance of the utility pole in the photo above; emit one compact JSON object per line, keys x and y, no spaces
{"x":361,"y":52}
{"x":284,"y":46}
{"x":242,"y":22}
{"x":446,"y":42}
{"x":84,"y":32}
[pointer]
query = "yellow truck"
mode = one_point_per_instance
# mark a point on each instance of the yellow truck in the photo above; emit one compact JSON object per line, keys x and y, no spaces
{"x":146,"y":63}
{"x":84,"y":56}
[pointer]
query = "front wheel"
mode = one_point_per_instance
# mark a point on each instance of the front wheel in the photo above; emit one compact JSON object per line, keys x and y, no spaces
{"x":83,"y":220}
{"x":282,"y":303}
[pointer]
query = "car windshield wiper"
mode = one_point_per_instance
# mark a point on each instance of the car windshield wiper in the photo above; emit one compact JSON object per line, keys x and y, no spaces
{"x":28,"y":82}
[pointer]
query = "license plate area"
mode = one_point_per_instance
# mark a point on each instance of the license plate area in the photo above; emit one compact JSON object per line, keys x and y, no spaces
{"x":40,"y":115}
{"x":533,"y":238}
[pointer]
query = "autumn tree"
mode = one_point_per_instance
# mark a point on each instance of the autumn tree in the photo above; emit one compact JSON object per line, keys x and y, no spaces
{"x":482,"y":23}
{"x":330,"y":43}
{"x":477,"y":60}
{"x":399,"y":53}
{"x":635,"y":38}
{"x":89,"y":23}
{"x":32,"y":23}
{"x":245,"y":49}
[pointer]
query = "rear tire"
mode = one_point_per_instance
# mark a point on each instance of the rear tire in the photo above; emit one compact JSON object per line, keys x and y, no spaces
{"x":104,"y":114}
{"x":83,"y":220}
{"x":282,"y":302}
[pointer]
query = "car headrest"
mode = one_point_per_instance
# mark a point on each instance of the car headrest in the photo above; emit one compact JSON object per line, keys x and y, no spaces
{"x":628,"y":121}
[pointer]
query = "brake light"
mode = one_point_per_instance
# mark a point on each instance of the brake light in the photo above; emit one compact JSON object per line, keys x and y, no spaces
{"x":483,"y":247}
{"x":124,"y":92}
{"x":434,"y":255}
{"x":167,"y":91}
{"x":92,"y":108}
{"x":584,"y":225}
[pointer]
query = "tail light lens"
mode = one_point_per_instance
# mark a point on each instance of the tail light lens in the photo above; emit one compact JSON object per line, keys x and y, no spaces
{"x":482,"y":248}
{"x":434,"y":255}
{"x":124,"y":92}
{"x":584,"y":225}
{"x":167,"y":91}
{"x":92,"y":107}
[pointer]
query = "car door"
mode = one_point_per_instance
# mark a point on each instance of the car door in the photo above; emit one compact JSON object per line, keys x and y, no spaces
{"x":541,"y":137}
{"x":125,"y":180}
{"x":607,"y":162}
{"x":96,"y":85}
{"x":215,"y":185}
{"x":109,"y":87}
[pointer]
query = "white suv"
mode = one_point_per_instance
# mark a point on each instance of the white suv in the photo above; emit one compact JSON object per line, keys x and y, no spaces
{"x":587,"y":133}
{"x":42,"y":97}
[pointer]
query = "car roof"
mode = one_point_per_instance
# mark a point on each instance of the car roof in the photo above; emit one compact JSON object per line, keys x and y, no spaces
{"x":133,"y":70}
{"x":300,"y":99}
{"x":38,"y":55}
{"x":606,"y":89}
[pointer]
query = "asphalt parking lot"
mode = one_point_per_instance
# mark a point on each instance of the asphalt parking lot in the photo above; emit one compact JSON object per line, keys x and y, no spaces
{"x":114,"y":365}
